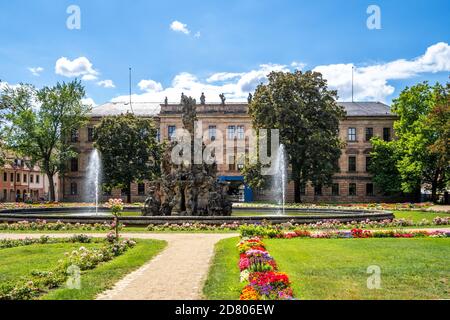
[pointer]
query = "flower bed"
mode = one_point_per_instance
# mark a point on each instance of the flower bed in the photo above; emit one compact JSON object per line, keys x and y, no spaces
{"x":259,"y":270}
{"x":10,"y":243}
{"x":357,"y":206}
{"x":233,"y":226}
{"x":271,"y":232}
{"x":53,"y":226}
{"x":82,"y":259}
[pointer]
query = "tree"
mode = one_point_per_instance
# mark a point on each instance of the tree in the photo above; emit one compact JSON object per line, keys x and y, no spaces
{"x":421,"y":156}
{"x":307,"y":116}
{"x":38,"y":123}
{"x":421,"y":109}
{"x":383,"y":166}
{"x":129,"y":150}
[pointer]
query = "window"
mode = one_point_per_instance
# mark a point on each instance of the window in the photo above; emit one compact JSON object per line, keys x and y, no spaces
{"x":387,"y":134}
{"x":37,"y":178}
{"x":11,"y":177}
{"x":352,"y":189}
{"x":240,"y":132}
{"x":231,"y":130}
{"x":352,"y":164}
{"x":352,"y":134}
{"x":18,"y":177}
{"x":369,"y":189}
{"x":212,"y":132}
{"x":158,"y":135}
{"x":74,"y":136}
{"x":368,"y":162}
{"x":141,"y":189}
{"x":73,"y":189}
{"x":369,"y":134}
{"x":90,"y":134}
{"x":318,"y":190}
{"x":31,"y":178}
{"x":24,"y":177}
{"x":335,"y":189}
{"x":171,"y":132}
{"x":74,"y":165}
{"x":5,"y":176}
{"x":231,"y":163}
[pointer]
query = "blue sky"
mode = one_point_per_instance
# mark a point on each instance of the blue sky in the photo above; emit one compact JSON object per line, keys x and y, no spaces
{"x":223,"y":46}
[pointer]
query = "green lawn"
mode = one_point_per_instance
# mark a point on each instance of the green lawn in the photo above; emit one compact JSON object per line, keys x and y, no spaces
{"x":19,"y":262}
{"x":336,"y":268}
{"x":107,"y":274}
{"x":419,"y":215}
{"x":223,"y":278}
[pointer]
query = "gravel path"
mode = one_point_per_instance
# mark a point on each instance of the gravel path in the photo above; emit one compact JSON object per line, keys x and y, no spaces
{"x":177,"y":273}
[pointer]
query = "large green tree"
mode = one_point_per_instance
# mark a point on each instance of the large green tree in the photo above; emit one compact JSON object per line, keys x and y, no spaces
{"x":383,"y":166}
{"x":305,"y":112}
{"x":38,"y":123}
{"x":421,"y":154}
{"x":129,"y":150}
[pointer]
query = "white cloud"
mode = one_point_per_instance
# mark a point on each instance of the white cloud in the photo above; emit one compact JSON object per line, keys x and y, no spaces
{"x":78,"y":67}
{"x":36,"y":71}
{"x":190,"y":85}
{"x":150,"y":86}
{"x":223,"y":76}
{"x":178,"y":26}
{"x":371,"y":81}
{"x":106,"y":84}
{"x":89,"y":101}
{"x":298,"y":65}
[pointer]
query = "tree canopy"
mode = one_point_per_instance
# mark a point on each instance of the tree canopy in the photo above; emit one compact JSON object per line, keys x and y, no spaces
{"x":38,"y":122}
{"x":305,"y":112}
{"x":129,"y":150}
{"x":421,"y":154}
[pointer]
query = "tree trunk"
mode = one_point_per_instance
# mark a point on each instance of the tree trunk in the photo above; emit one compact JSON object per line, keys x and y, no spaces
{"x":297,"y":193}
{"x":51,"y":188}
{"x":129,"y":193}
{"x":434,"y":185}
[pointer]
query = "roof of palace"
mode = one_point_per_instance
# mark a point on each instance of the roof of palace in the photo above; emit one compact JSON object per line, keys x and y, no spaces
{"x":152,"y":109}
{"x":143,"y":109}
{"x":371,"y":109}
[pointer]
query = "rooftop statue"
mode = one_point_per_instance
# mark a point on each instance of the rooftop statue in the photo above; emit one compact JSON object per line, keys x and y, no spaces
{"x":222,"y":98}
{"x":203,"y":99}
{"x":250,"y":98}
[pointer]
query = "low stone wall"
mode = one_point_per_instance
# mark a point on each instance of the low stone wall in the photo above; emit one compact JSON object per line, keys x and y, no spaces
{"x":343,"y":216}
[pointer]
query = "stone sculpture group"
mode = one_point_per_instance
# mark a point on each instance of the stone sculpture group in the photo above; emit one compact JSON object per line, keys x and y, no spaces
{"x":187,"y":189}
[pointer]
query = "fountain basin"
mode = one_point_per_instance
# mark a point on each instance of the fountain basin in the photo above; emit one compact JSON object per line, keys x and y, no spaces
{"x":88,"y":216}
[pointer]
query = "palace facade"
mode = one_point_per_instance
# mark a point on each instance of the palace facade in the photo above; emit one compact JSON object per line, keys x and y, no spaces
{"x":352,"y":184}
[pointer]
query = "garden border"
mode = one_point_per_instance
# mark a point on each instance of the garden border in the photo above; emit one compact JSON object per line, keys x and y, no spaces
{"x":32,"y":215}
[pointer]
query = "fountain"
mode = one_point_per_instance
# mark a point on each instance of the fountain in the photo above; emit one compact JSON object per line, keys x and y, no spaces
{"x":93,"y":178}
{"x":187,"y":189}
{"x":280,"y":179}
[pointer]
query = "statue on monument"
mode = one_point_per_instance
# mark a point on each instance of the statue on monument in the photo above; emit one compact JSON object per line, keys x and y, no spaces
{"x":188,"y":189}
{"x":203,"y":99}
{"x":222,"y":98}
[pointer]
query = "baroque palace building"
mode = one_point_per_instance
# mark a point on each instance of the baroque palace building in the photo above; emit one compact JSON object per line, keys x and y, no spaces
{"x":352,"y":184}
